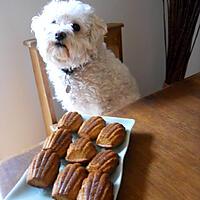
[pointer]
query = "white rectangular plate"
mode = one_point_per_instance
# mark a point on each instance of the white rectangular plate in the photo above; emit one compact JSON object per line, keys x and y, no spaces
{"x":22,"y":191}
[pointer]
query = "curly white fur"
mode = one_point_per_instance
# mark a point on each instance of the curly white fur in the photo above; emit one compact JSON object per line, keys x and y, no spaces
{"x":100,"y":82}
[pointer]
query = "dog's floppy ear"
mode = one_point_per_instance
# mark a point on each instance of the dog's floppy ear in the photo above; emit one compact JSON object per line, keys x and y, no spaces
{"x":98,"y":28}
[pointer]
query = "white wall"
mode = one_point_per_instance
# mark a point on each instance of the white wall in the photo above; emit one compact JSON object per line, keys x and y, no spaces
{"x":21,"y":121}
{"x":194,"y":63}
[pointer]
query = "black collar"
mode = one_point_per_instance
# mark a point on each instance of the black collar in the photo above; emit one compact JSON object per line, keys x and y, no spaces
{"x":67,"y":71}
{"x":70,"y":71}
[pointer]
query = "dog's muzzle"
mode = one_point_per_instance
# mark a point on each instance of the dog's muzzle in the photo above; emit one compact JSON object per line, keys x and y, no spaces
{"x":59,"y":44}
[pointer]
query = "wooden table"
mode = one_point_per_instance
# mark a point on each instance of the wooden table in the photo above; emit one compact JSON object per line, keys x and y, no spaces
{"x":163,"y":159}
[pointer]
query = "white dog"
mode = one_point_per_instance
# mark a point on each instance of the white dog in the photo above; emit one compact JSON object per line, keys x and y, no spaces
{"x":86,"y":75}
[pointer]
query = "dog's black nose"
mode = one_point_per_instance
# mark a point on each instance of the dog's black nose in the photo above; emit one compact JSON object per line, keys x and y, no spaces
{"x":60,"y":36}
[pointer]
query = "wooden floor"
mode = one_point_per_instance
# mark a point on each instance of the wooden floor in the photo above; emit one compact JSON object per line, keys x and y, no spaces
{"x":163,"y":159}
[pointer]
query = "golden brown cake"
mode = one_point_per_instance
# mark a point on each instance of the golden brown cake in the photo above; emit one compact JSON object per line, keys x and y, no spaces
{"x":111,"y":136}
{"x":71,"y":121}
{"x":96,"y":186}
{"x":44,"y":168}
{"x":82,"y":150}
{"x":68,"y":182}
{"x":91,"y":127}
{"x":58,"y":142}
{"x":105,"y":161}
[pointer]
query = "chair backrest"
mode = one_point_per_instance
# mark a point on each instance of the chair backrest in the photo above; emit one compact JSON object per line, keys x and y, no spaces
{"x":113,"y":40}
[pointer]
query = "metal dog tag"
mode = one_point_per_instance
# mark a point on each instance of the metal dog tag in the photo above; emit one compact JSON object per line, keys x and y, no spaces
{"x":68,"y":88}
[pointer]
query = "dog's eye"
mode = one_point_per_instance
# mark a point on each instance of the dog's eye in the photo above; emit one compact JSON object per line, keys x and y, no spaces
{"x":76,"y":27}
{"x":53,"y":22}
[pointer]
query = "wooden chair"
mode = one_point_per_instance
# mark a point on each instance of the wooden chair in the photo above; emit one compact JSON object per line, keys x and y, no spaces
{"x":113,"y":39}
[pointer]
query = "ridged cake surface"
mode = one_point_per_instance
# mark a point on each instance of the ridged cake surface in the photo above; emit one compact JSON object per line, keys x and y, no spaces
{"x":44,"y":168}
{"x":96,"y":186}
{"x":58,"y":142}
{"x":105,"y":161}
{"x":111,"y":136}
{"x":92,"y":127}
{"x":68,"y":182}
{"x":71,"y":121}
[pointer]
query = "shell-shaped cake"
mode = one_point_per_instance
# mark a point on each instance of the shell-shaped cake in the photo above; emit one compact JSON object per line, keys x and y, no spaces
{"x":44,"y":168}
{"x":92,"y":127}
{"x":111,"y":136}
{"x":58,"y":142}
{"x":71,"y":121}
{"x":68,"y":182}
{"x":82,"y":150}
{"x":96,"y":186}
{"x":105,"y":161}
